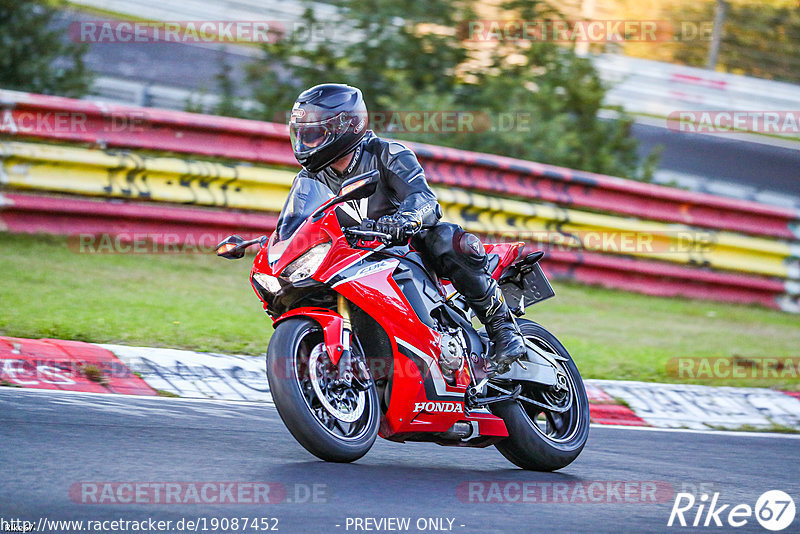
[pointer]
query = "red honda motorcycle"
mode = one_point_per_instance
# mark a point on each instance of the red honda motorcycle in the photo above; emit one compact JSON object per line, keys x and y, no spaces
{"x":368,"y":342}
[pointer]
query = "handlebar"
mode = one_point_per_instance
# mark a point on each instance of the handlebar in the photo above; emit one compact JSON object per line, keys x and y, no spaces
{"x":367,"y":233}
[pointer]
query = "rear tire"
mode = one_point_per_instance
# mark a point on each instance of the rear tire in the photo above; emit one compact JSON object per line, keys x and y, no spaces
{"x":541,"y":445}
{"x":306,"y":417}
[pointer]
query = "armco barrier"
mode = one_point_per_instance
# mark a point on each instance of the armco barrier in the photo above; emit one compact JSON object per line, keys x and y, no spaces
{"x":168,"y":179}
{"x":535,"y":181}
{"x":196,"y":229}
{"x":659,"y":279}
{"x":742,"y":234}
{"x":135,"y":176}
{"x":24,"y":213}
{"x":658,"y":88}
{"x":604,"y":233}
{"x":101,"y":124}
{"x":238,"y":139}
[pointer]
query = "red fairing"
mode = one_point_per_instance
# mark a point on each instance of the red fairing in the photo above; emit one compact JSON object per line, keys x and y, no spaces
{"x":331,"y":323}
{"x":508,"y":252}
{"x":421,"y":400}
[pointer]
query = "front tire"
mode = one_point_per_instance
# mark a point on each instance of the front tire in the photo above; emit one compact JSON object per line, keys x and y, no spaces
{"x":341,"y":428}
{"x":541,"y":440}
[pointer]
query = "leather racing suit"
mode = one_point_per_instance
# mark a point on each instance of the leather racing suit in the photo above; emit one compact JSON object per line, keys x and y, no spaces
{"x":446,"y":248}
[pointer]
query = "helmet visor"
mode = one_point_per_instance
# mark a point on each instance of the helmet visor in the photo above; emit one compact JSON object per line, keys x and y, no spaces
{"x":307,"y":136}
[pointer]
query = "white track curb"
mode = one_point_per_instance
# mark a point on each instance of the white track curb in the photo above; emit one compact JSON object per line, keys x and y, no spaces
{"x":243,"y":378}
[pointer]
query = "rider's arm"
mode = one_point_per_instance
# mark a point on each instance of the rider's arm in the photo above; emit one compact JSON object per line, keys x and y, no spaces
{"x":405,"y":177}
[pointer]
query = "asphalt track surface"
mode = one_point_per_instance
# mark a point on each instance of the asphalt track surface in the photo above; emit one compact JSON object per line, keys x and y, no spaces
{"x":52,"y":440}
{"x":720,"y":158}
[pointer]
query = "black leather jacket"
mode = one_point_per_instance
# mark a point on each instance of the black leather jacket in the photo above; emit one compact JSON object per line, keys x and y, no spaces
{"x":402,"y":189}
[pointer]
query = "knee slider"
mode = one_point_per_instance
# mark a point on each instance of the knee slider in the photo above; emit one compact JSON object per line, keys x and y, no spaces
{"x":470,"y":247}
{"x":440,"y":239}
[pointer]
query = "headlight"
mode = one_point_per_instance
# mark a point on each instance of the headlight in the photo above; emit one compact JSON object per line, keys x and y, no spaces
{"x":307,"y":264}
{"x":268,"y":282}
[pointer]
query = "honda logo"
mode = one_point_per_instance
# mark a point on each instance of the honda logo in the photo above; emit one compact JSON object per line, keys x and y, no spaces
{"x":447,"y":407}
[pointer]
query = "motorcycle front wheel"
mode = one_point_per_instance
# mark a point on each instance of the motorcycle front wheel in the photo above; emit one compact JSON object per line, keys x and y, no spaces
{"x":541,"y":439}
{"x":333,"y":422}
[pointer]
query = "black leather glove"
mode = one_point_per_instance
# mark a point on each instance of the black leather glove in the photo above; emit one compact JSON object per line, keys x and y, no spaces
{"x":400,"y":226}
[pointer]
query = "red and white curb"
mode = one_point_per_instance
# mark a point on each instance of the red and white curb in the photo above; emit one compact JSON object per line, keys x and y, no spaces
{"x":198,"y":374}
{"x":702,"y":407}
{"x":66,"y":365}
{"x":88,"y":367}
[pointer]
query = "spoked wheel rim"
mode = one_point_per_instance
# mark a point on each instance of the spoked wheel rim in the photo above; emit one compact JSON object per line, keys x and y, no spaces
{"x":341,"y":411}
{"x":558,"y":427}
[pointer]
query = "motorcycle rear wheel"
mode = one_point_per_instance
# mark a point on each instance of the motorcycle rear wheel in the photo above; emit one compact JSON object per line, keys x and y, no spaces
{"x":542,"y":440}
{"x":339,"y":426}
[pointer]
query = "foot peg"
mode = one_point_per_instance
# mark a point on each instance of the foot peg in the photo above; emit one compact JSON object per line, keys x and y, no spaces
{"x":473,"y":401}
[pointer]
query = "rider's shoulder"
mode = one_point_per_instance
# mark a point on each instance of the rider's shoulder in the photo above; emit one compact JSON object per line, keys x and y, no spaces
{"x":387,"y":149}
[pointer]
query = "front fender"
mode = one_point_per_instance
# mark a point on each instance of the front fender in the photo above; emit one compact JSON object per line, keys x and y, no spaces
{"x":332,"y":327}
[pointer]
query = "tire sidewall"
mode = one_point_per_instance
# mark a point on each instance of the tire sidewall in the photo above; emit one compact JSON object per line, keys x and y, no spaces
{"x":526,"y":446}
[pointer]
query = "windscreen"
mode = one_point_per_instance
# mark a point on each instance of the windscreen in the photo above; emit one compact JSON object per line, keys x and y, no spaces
{"x":305,"y":197}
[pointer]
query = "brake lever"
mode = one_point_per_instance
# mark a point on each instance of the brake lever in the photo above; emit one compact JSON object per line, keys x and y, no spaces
{"x":368,"y":233}
{"x":361,"y":239}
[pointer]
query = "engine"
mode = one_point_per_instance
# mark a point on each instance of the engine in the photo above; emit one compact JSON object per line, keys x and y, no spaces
{"x":454,"y":351}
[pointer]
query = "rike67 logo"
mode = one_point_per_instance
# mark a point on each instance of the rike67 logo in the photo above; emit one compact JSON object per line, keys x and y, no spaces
{"x":774,"y":510}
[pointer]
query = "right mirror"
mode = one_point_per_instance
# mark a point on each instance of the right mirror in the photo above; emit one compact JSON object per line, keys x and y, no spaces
{"x":229,"y":248}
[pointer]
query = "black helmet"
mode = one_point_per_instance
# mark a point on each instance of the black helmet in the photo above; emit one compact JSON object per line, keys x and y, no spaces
{"x":327,"y":122}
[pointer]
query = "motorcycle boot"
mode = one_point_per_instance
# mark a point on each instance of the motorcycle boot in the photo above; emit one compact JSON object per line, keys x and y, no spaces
{"x":492,"y":311}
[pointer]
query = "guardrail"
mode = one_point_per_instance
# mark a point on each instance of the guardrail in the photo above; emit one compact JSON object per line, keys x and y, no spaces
{"x":137,"y":93}
{"x":658,"y":88}
{"x":684,"y":243}
{"x":262,"y":142}
{"x":168,"y":179}
{"x":163,"y":224}
{"x":198,"y":229}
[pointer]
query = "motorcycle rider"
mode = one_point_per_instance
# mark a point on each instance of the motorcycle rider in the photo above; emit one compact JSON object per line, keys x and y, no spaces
{"x":329,"y":136}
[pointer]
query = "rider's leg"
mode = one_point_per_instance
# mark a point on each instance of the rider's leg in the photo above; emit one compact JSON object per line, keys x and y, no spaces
{"x":460,"y":257}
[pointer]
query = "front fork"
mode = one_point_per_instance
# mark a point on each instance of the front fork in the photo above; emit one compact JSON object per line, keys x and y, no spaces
{"x":346,"y":362}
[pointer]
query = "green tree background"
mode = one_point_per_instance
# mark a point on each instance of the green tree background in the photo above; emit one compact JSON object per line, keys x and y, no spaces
{"x":412,"y":56}
{"x":758,"y":39}
{"x":34,"y":56}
